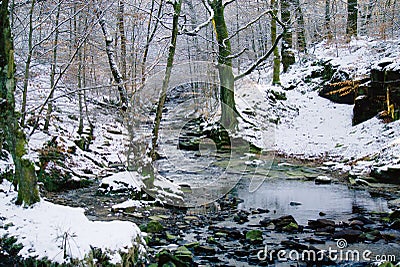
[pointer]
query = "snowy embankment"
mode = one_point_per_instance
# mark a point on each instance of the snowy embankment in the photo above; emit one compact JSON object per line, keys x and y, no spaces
{"x":312,"y":127}
{"x":62,"y":234}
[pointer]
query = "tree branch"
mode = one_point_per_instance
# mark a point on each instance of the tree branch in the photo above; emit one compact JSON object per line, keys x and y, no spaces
{"x":264,"y":57}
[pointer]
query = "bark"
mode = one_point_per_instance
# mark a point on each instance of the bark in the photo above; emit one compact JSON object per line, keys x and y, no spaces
{"x":177,"y":4}
{"x":352,"y":10}
{"x":288,"y":57}
{"x":277,"y":60}
{"x":112,"y":58}
{"x":121,"y":27}
{"x":27,"y":64}
{"x":300,"y":29}
{"x":328,"y":19}
{"x":227,"y":95}
{"x":14,"y":139}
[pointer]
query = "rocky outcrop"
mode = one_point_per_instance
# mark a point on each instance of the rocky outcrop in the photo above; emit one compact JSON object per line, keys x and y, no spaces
{"x":377,"y":94}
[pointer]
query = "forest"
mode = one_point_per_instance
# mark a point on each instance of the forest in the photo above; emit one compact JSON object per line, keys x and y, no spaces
{"x":200,"y":133}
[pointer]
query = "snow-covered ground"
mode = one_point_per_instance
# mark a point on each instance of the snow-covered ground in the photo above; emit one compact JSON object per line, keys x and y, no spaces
{"x":61,"y":233}
{"x":315,"y":127}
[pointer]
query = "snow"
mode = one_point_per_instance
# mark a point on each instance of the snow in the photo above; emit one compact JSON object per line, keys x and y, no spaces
{"x":43,"y":228}
{"x":122,"y":181}
{"x":311,"y":127}
{"x":6,"y":163}
{"x":128,"y":204}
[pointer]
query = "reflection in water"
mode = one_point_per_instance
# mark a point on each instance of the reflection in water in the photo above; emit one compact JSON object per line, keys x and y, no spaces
{"x":335,"y":200}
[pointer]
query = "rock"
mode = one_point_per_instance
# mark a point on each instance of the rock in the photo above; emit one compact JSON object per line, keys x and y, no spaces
{"x":254,"y":236}
{"x":362,"y":219}
{"x":190,"y":218}
{"x":294,"y":245}
{"x":205,"y":250}
{"x":166,"y":259}
{"x":366,"y":108}
{"x":356,"y":223}
{"x":291,"y":227}
{"x":394,"y":204}
{"x":265,"y":222}
{"x":295,"y":203}
{"x":314,"y":240}
{"x":361,"y":182}
{"x":192,"y":244}
{"x":323,"y":180}
{"x":372,"y":236}
{"x":350,"y":235}
{"x":320,"y":223}
{"x":395,"y":225}
{"x":154,"y":227}
{"x":394,"y":215}
{"x":286,"y":224}
{"x":341,"y":91}
{"x":241,"y":217}
{"x":184,"y":254}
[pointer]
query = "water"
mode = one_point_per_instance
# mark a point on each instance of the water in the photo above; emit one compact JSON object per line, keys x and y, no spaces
{"x":335,"y":200}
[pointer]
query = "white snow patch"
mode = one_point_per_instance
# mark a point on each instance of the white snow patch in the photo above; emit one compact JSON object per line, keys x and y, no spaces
{"x":43,"y":229}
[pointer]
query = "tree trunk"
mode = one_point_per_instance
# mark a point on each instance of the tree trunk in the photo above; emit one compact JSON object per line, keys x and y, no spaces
{"x":177,"y":4}
{"x":53,"y":69}
{"x":301,"y":35}
{"x":15,"y":141}
{"x":352,"y":10}
{"x":227,"y":94}
{"x":27,"y":64}
{"x":111,"y":59}
{"x":277,"y":60}
{"x":288,"y":57}
{"x":328,"y":19}
{"x":121,"y":27}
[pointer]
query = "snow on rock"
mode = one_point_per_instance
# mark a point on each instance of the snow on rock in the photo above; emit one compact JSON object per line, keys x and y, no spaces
{"x":122,"y":182}
{"x":130,"y":203}
{"x":45,"y":228}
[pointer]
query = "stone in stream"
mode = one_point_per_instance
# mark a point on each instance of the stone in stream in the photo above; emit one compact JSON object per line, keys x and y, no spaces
{"x":394,"y":215}
{"x":323,"y":180}
{"x":284,"y":223}
{"x":395,"y":225}
{"x":320,"y":223}
{"x":205,"y":250}
{"x":254,"y":236}
{"x":362,"y":219}
{"x":295,"y":203}
{"x":241,"y":217}
{"x":350,"y":235}
{"x":394,"y":204}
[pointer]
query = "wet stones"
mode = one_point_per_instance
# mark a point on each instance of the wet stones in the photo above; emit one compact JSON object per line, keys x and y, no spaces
{"x":282,"y":224}
{"x":350,"y":235}
{"x":323,"y":180}
{"x":254,"y":236}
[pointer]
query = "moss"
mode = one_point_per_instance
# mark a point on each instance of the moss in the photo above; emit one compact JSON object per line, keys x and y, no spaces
{"x":154,"y":227}
{"x":254,"y":235}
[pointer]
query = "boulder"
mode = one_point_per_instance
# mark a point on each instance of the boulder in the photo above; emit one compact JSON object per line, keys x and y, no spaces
{"x":349,"y":235}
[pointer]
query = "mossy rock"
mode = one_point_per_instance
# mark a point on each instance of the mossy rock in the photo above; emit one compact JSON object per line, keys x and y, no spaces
{"x":154,"y":227}
{"x":291,"y":227}
{"x":254,"y":235}
{"x":184,"y":254}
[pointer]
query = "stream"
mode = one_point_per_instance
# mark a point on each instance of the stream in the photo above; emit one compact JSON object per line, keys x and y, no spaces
{"x":247,"y":198}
